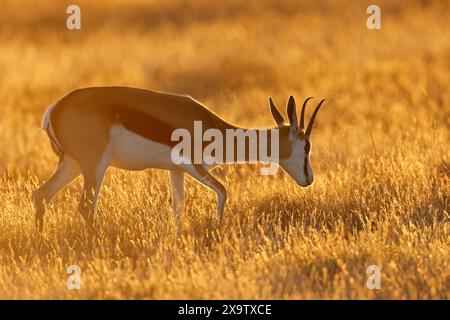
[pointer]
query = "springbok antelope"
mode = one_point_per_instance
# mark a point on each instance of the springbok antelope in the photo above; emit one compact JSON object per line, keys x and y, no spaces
{"x":91,"y":129}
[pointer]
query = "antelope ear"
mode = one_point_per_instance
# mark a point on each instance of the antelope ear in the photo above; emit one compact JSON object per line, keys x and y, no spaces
{"x":275,"y":113}
{"x":292,"y":114}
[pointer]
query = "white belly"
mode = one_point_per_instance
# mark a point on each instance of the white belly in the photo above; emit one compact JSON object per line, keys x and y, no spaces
{"x":133,"y":152}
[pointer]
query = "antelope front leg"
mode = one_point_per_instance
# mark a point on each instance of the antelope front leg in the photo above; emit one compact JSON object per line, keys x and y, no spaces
{"x":177,"y":185}
{"x":202,"y":175}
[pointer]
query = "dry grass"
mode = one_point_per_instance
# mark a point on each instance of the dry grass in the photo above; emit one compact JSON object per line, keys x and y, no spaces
{"x":381,"y":150}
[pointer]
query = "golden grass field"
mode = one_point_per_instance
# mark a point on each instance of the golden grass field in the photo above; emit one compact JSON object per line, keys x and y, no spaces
{"x":380,"y":150}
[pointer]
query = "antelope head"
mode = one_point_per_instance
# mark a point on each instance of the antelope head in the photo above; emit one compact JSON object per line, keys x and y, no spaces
{"x":295,"y":141}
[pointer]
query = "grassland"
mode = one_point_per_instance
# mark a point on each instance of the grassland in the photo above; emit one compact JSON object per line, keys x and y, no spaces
{"x":380,"y":150}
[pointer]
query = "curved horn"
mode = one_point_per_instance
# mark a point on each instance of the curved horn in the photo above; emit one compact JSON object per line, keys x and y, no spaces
{"x":302,"y":116}
{"x":313,"y":117}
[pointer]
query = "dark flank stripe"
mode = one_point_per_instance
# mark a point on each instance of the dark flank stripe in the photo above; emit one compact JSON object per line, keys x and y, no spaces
{"x":144,"y":125}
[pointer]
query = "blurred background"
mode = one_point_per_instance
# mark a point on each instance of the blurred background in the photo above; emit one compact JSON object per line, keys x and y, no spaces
{"x":381,"y":146}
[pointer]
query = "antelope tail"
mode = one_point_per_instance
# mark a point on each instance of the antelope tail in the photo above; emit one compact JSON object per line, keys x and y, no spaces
{"x":47,"y":126}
